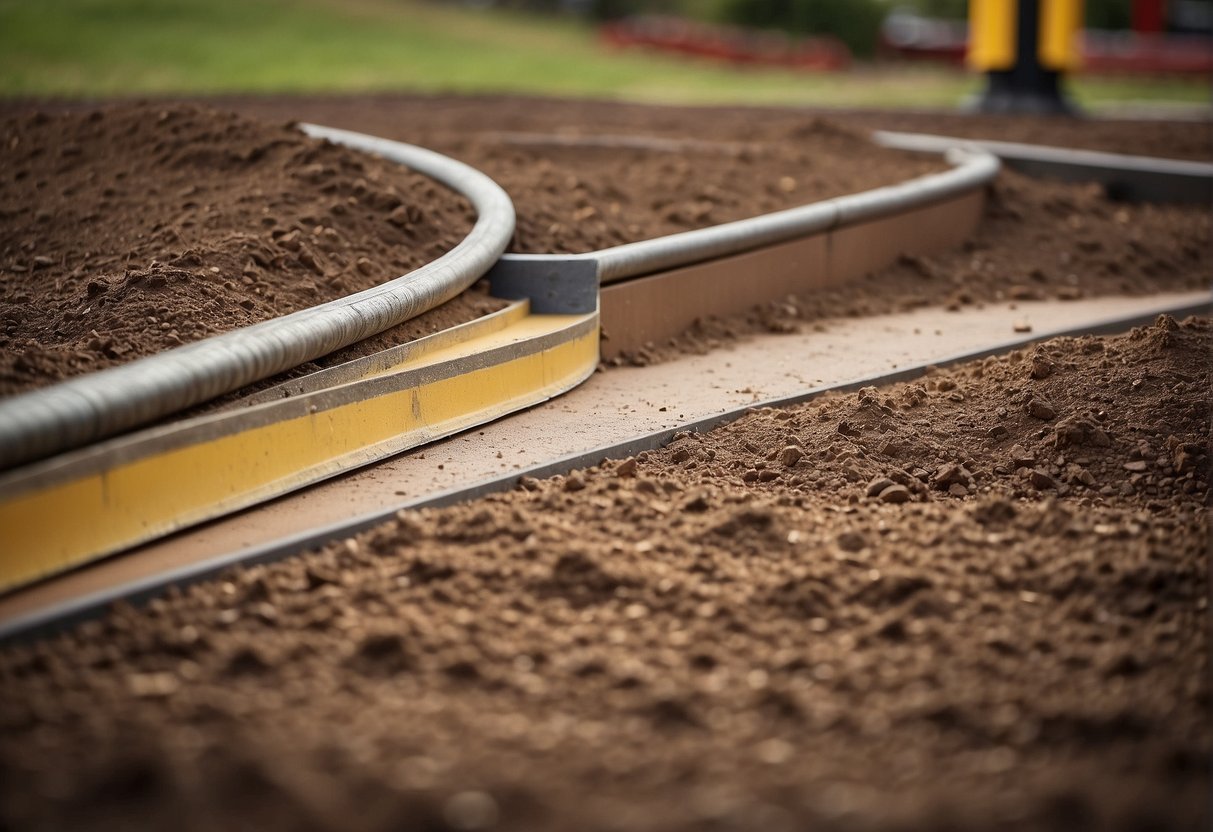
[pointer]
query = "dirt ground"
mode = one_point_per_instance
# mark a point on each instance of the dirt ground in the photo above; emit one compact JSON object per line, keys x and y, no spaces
{"x":979,"y":600}
{"x":128,"y":229}
{"x":437,"y":116}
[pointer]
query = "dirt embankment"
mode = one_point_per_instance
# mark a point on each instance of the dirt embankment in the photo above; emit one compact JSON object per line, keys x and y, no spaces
{"x":127,"y":231}
{"x":1038,"y":240}
{"x":979,"y":600}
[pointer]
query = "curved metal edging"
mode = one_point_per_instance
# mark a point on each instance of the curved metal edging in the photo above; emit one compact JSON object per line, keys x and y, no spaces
{"x":85,"y":409}
{"x":974,"y":167}
{"x":1135,"y":178}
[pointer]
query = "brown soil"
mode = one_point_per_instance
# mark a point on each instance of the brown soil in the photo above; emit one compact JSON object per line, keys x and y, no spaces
{"x":447,"y":115}
{"x":128,"y":230}
{"x":1037,"y":241}
{"x":979,"y":600}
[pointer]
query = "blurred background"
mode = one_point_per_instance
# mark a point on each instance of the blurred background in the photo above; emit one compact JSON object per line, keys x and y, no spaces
{"x":855,"y":53}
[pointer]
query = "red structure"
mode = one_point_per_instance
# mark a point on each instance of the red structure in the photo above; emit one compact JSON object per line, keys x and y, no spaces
{"x":727,"y":44}
{"x":1149,"y":16}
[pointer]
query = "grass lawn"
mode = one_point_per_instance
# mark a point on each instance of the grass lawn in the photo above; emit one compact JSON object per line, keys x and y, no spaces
{"x":122,"y":47}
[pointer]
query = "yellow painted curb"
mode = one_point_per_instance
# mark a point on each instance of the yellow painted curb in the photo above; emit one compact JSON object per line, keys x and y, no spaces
{"x":98,"y":501}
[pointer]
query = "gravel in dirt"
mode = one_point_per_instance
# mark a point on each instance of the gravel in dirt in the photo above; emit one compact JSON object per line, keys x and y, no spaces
{"x":977,"y":600}
{"x":129,"y":230}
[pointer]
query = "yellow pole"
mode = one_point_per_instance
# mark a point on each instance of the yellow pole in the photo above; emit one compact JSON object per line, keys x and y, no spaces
{"x":1060,"y":30}
{"x":1024,"y":47}
{"x":991,"y":34}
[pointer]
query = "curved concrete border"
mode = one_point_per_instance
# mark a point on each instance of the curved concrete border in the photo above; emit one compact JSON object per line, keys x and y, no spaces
{"x":972,"y":169}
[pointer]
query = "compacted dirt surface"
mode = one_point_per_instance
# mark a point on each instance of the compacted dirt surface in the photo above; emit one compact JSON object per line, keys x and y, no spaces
{"x":978,"y":600}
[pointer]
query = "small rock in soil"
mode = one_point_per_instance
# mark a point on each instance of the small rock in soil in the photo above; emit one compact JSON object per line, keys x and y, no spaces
{"x":1041,"y":409}
{"x":896,"y":494}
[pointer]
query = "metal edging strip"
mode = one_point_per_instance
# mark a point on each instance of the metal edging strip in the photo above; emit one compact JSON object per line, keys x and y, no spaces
{"x":570,"y":288}
{"x":127,"y":493}
{"x":1136,"y":178}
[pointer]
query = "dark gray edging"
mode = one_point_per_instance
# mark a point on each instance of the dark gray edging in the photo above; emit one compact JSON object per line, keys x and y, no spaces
{"x":63,"y":616}
{"x":1133,"y":178}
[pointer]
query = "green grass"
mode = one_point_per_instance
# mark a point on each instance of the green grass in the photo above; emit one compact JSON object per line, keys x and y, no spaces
{"x":123,"y":47}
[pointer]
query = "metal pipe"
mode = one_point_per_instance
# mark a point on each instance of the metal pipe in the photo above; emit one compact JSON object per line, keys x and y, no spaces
{"x":1135,"y":178}
{"x":92,"y":407}
{"x":974,"y":167}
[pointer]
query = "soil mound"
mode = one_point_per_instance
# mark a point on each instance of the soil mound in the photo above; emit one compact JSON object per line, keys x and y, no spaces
{"x":978,"y":600}
{"x":129,"y":230}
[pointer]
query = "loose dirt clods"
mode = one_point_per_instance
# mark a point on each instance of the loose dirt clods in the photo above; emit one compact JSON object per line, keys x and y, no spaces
{"x":976,"y":600}
{"x":133,"y":229}
{"x":147,"y":282}
{"x":1018,"y":639}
